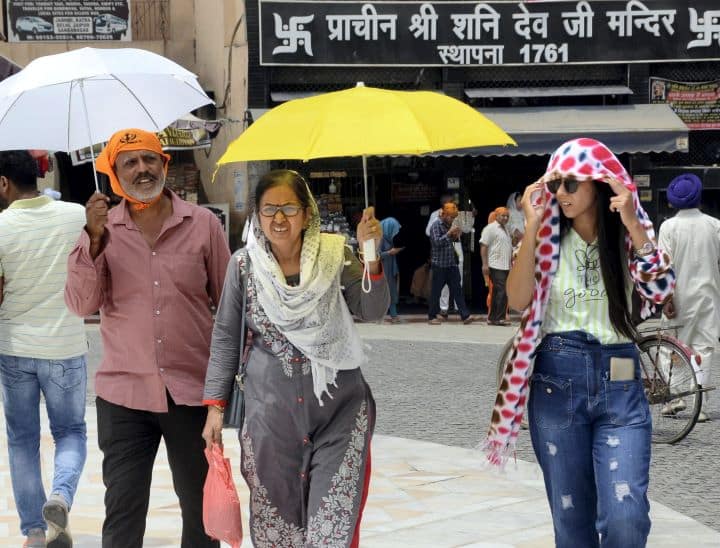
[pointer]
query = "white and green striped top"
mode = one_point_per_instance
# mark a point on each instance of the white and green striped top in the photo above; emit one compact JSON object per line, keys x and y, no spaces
{"x":578,"y":299}
{"x":36,"y":237}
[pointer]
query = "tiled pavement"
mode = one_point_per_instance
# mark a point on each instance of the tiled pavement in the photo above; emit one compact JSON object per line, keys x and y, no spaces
{"x":422,"y":495}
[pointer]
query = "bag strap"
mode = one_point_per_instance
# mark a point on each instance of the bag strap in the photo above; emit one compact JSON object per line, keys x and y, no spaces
{"x":243,"y":323}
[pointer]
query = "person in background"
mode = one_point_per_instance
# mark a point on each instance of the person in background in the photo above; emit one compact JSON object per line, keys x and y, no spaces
{"x":388,"y":253}
{"x":488,"y":282}
{"x":588,"y":243}
{"x":516,"y":222}
{"x":464,"y":229}
{"x":152,"y":265}
{"x":42,"y":349}
{"x":309,"y":414}
{"x":444,"y":265}
{"x":496,"y":254}
{"x":692,"y":239}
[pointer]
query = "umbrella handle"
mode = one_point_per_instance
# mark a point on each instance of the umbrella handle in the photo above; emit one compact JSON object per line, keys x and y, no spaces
{"x":369,"y":254}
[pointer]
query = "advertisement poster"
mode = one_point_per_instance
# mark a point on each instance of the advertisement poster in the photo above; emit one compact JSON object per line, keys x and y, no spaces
{"x":412,"y":192}
{"x":43,"y":21}
{"x":222,"y":212}
{"x":696,"y":103}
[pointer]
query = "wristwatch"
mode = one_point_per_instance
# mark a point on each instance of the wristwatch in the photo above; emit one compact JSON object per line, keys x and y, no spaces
{"x":646,"y":249}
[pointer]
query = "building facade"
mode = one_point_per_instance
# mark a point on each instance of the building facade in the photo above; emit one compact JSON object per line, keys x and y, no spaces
{"x":207,"y":37}
{"x":643,"y":77}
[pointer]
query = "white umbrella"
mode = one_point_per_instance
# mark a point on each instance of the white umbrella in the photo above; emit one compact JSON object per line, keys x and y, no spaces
{"x":72,"y":100}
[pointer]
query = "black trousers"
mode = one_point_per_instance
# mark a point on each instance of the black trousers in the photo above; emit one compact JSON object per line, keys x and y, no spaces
{"x":129,"y":440}
{"x":450,"y":276}
{"x":499,"y":302}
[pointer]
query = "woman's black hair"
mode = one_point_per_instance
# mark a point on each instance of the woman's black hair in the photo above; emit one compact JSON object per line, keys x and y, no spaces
{"x":611,"y":249}
{"x":286,"y":177}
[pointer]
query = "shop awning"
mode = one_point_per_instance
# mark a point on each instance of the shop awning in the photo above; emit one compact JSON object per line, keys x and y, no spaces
{"x":282,"y":96}
{"x":540,"y":130}
{"x":546,"y":91}
{"x":623,"y":128}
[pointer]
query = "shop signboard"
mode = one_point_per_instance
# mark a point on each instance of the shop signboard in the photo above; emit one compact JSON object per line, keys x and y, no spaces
{"x":642,"y":180}
{"x":413,"y":192}
{"x":184,"y":139}
{"x":486,"y":33}
{"x":47,"y":21}
{"x":83,"y":155}
{"x":696,"y":103}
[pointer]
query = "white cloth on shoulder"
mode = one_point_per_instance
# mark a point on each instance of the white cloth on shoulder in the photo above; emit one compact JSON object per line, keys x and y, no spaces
{"x":313,"y":315}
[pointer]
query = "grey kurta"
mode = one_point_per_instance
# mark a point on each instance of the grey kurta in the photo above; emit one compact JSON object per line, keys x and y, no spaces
{"x":305,"y":465}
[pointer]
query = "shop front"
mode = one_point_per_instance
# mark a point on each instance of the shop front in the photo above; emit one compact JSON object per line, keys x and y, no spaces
{"x":545,"y":72}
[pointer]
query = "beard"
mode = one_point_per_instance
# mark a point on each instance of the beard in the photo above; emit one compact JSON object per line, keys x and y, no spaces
{"x":144,"y":193}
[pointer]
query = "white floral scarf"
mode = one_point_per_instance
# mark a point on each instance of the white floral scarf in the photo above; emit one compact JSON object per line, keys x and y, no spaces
{"x":312,"y":315}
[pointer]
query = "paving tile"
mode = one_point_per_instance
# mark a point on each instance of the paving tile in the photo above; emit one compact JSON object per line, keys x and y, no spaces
{"x":443,"y":499}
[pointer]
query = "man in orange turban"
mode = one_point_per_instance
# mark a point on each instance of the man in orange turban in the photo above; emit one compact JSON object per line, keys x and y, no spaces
{"x":140,"y":183}
{"x":150,"y":265}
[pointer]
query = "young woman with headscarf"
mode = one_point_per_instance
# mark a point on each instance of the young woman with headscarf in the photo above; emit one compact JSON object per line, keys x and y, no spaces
{"x":388,"y":253}
{"x":587,"y":244}
{"x":309,"y":414}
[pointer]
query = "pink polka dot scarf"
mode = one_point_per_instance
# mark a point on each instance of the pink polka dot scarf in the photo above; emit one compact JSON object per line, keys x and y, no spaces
{"x":582,"y":159}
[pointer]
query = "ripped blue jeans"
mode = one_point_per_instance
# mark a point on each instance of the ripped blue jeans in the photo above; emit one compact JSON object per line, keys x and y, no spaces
{"x":591,"y":437}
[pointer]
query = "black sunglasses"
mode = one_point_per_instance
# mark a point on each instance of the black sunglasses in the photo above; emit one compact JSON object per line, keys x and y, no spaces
{"x":571,"y":185}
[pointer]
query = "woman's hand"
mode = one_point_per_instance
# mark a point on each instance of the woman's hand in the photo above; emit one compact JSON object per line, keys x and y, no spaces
{"x":533,"y":213}
{"x":212,"y":433}
{"x":622,"y":202}
{"x":369,"y":228}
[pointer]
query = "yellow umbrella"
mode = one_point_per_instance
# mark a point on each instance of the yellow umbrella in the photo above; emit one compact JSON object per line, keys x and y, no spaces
{"x":364,"y":121}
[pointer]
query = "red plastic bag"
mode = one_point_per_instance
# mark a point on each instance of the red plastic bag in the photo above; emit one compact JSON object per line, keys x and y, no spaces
{"x":221,"y":507}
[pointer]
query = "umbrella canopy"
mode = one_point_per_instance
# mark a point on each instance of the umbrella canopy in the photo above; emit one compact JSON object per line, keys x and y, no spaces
{"x":364,"y":121}
{"x":71,"y":100}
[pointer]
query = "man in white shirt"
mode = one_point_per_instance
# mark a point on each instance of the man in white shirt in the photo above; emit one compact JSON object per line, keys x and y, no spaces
{"x":496,"y":254}
{"x":42,"y":349}
{"x":465,"y":227}
{"x":692,"y":239}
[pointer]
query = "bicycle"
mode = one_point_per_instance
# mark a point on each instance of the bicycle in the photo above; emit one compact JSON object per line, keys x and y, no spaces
{"x":668,"y":378}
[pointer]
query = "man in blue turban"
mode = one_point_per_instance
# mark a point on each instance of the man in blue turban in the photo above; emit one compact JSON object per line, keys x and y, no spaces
{"x":693,"y":241}
{"x":685,"y":191}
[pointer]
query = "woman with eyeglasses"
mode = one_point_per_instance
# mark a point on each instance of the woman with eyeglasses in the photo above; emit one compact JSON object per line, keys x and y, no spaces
{"x":587,"y":245}
{"x":309,"y":414}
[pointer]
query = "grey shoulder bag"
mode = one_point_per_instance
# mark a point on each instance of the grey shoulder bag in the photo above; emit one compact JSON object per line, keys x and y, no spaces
{"x":234,"y":415}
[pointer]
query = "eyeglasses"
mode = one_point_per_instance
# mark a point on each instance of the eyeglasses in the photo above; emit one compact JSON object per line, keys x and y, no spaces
{"x":571,"y":185}
{"x":289,"y":210}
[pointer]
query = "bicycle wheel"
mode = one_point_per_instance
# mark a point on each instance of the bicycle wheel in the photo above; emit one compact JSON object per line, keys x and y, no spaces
{"x":500,"y":367}
{"x":671,"y":388}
